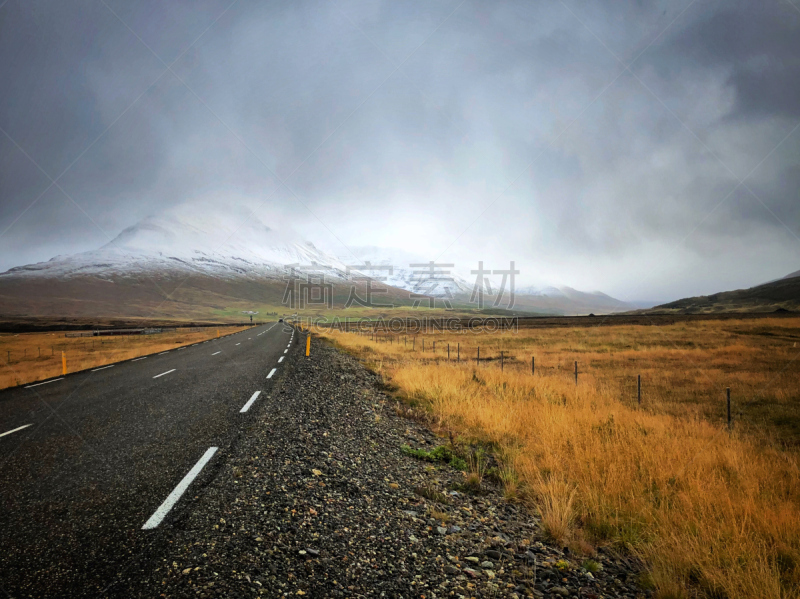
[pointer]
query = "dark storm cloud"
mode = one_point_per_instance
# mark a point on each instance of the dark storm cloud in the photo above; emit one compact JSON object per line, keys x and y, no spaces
{"x":758,"y":45}
{"x":512,"y":127}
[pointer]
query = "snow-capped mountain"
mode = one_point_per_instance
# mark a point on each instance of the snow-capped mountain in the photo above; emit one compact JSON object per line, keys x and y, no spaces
{"x":196,"y":258}
{"x":188,"y":240}
{"x":406,"y":271}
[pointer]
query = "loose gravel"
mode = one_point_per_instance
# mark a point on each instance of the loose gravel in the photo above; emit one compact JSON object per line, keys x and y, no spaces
{"x":319,"y":499}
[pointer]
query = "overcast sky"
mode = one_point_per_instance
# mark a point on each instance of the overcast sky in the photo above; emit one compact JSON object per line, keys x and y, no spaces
{"x":647,"y":149}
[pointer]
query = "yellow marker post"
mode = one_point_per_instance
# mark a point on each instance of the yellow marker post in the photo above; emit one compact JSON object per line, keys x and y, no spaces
{"x":64,"y":362}
{"x":217,"y":333}
{"x":308,"y":345}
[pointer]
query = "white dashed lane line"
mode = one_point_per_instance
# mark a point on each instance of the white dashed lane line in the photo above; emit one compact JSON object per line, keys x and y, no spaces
{"x":137,"y":359}
{"x":44,"y":383}
{"x":163,"y":352}
{"x":238,"y":344}
{"x":216,"y":352}
{"x":271,"y":372}
{"x":103,"y":368}
{"x":173,"y":497}
{"x":250,"y":402}
{"x":180,"y":348}
{"x":163,"y":373}
{"x":281,"y":359}
{"x":286,"y":350}
{"x":19,"y":428}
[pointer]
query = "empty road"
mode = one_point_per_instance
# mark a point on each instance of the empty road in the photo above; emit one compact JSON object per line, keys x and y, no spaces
{"x":93,"y":464}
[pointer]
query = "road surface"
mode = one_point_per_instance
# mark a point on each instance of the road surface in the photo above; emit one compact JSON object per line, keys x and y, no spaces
{"x":94,"y":464}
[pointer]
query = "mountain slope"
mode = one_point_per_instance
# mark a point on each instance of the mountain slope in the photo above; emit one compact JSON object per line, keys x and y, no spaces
{"x":193,"y":262}
{"x":783,"y":294}
{"x":409,"y":272}
{"x":187,"y":263}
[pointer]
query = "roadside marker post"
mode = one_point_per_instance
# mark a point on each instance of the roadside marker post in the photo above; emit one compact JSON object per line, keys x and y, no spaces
{"x":64,"y":362}
{"x":308,"y":345}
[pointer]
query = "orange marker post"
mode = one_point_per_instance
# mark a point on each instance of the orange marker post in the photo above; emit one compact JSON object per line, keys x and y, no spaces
{"x":64,"y":362}
{"x":308,"y":345}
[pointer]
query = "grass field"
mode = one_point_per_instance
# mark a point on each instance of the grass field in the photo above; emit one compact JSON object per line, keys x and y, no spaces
{"x":714,"y":513}
{"x":30,"y":357}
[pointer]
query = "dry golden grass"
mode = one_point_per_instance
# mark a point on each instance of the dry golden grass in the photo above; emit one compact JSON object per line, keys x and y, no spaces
{"x":712,"y":513}
{"x":31,"y":357}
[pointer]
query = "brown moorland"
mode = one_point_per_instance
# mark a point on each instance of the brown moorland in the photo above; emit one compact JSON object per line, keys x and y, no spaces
{"x":712,"y":512}
{"x":30,"y":357}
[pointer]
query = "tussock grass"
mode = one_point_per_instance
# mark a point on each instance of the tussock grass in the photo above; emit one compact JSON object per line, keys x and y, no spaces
{"x":37,"y":356}
{"x":712,"y":513}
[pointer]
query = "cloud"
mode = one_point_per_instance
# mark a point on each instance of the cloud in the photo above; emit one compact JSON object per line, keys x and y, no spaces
{"x":501,"y":131}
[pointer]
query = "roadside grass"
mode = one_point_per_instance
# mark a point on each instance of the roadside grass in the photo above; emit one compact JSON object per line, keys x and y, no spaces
{"x":30,"y":357}
{"x":712,"y":513}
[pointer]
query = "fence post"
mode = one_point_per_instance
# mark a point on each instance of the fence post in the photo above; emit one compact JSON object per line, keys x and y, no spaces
{"x":458,"y":350}
{"x":448,"y":352}
{"x":478,"y":361}
{"x":413,"y":344}
{"x":434,"y":347}
{"x":639,"y":388}
{"x":728,"y":393}
{"x":423,"y":345}
{"x":533,"y":365}
{"x":576,"y":372}
{"x":501,"y":361}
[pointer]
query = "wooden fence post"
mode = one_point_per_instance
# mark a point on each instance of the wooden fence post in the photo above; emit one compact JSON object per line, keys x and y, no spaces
{"x":478,"y":361}
{"x":458,"y":350}
{"x":501,"y":361}
{"x":576,"y":372}
{"x":728,"y":393}
{"x":448,"y":352}
{"x":533,"y":365}
{"x":639,"y":388}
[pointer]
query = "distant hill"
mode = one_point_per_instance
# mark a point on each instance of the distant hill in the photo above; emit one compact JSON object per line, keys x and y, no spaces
{"x":783,"y":294}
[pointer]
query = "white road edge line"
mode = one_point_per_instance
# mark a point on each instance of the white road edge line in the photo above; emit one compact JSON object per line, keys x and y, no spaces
{"x":44,"y":383}
{"x":19,"y":428}
{"x":180,"y":348}
{"x":216,"y":352}
{"x":163,"y":373}
{"x":271,"y":372}
{"x":137,"y":359}
{"x":250,"y":402}
{"x":103,"y":367}
{"x":163,"y":352}
{"x":173,"y":497}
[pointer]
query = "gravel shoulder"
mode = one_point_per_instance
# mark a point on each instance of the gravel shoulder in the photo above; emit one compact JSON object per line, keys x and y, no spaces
{"x":317,"y":498}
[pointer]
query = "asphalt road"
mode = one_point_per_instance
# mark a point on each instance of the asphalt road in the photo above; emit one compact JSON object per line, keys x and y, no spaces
{"x":89,"y":483}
